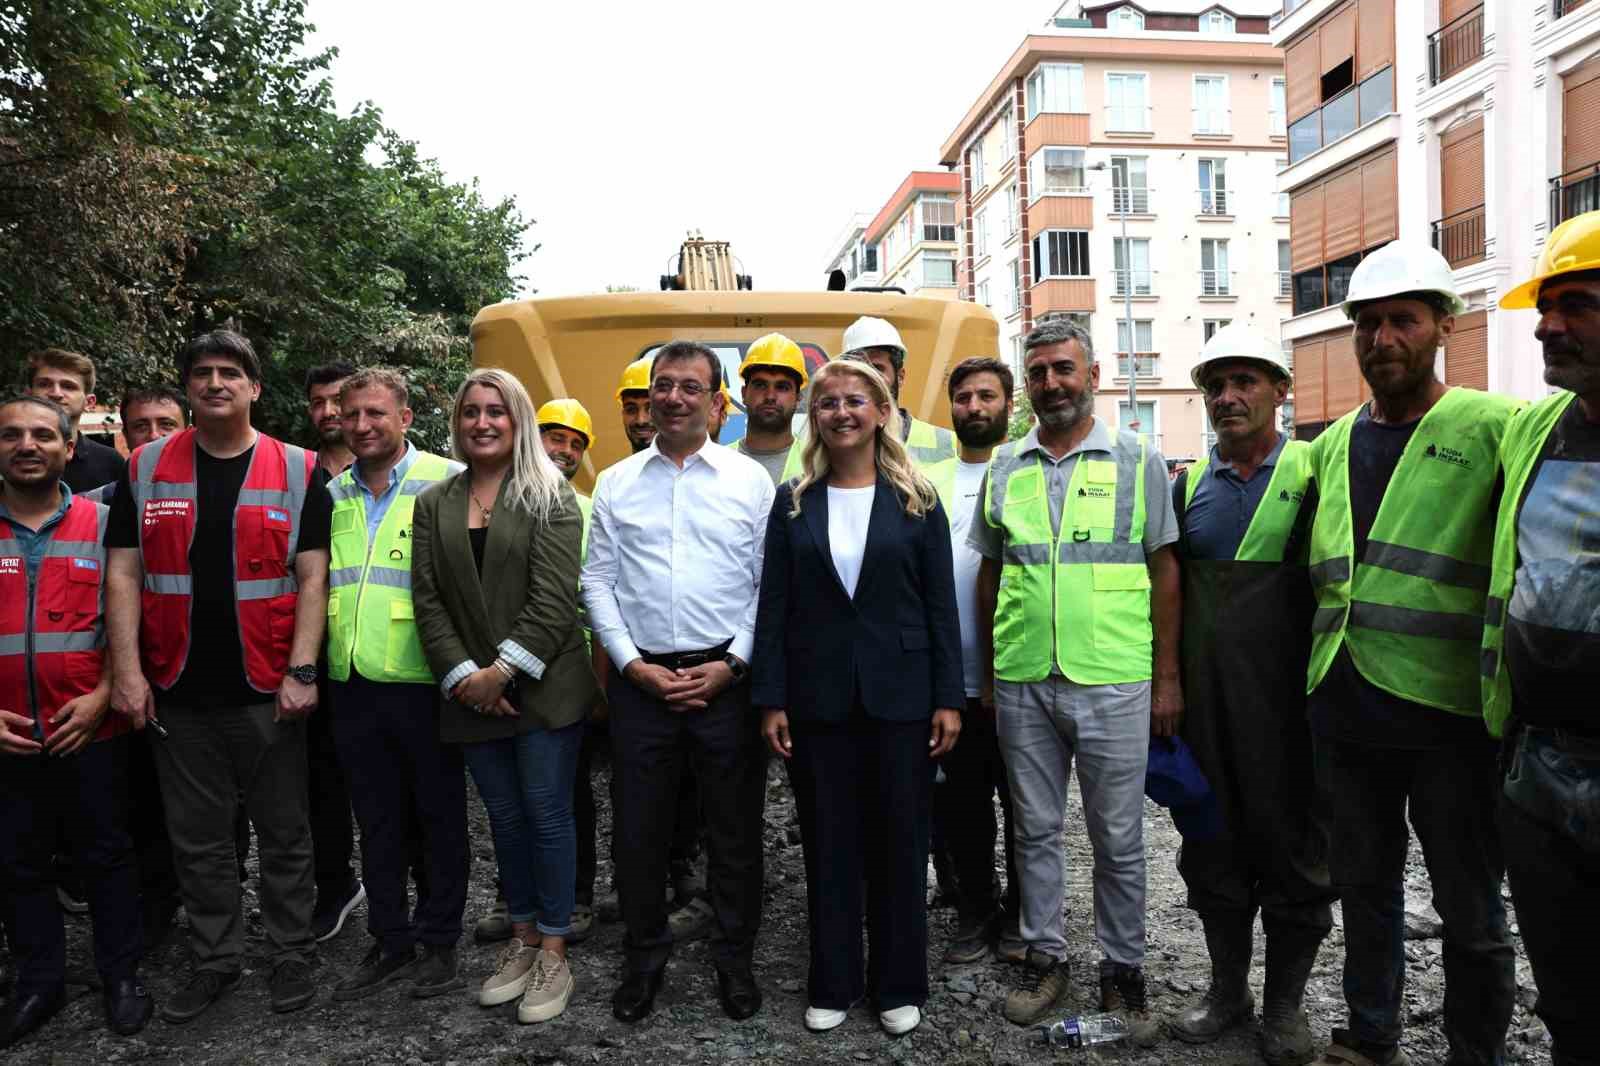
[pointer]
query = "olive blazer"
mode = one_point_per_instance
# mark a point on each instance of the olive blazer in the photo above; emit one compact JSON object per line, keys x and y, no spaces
{"x":529,"y":596}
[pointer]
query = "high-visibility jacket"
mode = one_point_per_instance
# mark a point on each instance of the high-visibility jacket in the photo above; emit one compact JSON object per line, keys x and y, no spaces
{"x":1411,"y":610}
{"x":1078,"y":597}
{"x":52,"y":629}
{"x":943,"y":476}
{"x":926,"y":442}
{"x":586,"y":509}
{"x":266,"y":533}
{"x":1519,"y":452}
{"x":371,"y":621}
{"x":1274,"y":521}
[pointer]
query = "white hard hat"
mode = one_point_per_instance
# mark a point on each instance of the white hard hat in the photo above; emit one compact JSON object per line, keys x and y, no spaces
{"x":869,"y":332}
{"x":1239,"y":341}
{"x":1401,"y":267}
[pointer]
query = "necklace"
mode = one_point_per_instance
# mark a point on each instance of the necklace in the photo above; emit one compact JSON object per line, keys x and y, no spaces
{"x":486,"y":512}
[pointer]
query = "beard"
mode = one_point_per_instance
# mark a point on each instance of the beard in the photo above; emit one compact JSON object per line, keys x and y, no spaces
{"x":1570,"y":370}
{"x":982,"y":432}
{"x":765,"y":423}
{"x":1066,"y":418}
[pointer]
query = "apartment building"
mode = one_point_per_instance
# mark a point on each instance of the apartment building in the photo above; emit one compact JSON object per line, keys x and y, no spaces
{"x":913,"y":235}
{"x":852,"y":256}
{"x":1473,"y":125}
{"x":1124,"y":158}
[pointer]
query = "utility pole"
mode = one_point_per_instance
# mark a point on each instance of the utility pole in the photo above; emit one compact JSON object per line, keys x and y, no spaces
{"x":1122,"y":206}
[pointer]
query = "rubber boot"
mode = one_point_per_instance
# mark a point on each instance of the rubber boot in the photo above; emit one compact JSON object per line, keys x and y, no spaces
{"x":1285,"y":1032}
{"x":1228,"y":1001}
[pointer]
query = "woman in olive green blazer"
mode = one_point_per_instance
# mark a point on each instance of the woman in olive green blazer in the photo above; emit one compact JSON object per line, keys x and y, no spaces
{"x":495,"y":580}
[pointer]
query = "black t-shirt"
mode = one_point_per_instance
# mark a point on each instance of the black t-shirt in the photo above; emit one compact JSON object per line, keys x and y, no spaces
{"x":1346,"y":706}
{"x":214,"y":672}
{"x":92,"y":465}
{"x":1553,"y":633}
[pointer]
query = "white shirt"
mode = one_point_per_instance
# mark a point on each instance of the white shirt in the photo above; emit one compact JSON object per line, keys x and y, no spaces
{"x":968,"y":486}
{"x":849,"y":514}
{"x":675,"y":554}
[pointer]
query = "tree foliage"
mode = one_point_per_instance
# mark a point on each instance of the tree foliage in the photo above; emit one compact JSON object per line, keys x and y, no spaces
{"x":169,"y":166}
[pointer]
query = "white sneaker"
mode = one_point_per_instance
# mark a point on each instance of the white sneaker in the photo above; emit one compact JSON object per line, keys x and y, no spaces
{"x":900,"y":1020}
{"x":510,"y":977}
{"x":821,"y":1019}
{"x":550,"y":985}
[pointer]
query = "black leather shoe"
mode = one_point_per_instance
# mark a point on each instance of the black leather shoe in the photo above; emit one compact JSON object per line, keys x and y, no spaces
{"x":128,"y":1006}
{"x":739,"y":994}
{"x":26,"y":1013}
{"x":205,"y":987}
{"x":635,"y":998}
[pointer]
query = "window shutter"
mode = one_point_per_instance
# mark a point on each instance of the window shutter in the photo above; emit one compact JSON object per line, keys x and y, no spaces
{"x":1580,"y":118}
{"x":1450,"y":10}
{"x":1302,"y":74}
{"x":1461,"y":168}
{"x":1308,"y":385}
{"x":1343,"y":376}
{"x":1344,"y":221}
{"x":1305,"y":229}
{"x":1339,"y":38}
{"x":1374,"y":37}
{"x":1466,"y":352}
{"x":1379,"y":198}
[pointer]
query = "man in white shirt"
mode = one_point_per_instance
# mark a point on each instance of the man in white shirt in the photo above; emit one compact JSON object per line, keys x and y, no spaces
{"x":675,"y":549}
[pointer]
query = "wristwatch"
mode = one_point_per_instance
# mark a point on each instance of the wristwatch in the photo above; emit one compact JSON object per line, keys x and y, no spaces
{"x":306,"y":675}
{"x":737,"y":668}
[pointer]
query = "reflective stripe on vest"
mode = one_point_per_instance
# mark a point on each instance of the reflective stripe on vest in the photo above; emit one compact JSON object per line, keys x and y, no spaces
{"x":1411,"y":610}
{"x":1267,"y":536}
{"x":371,"y":620}
{"x":1079,"y":597}
{"x":52,"y":636}
{"x":266,"y":534}
{"x":1519,"y":453}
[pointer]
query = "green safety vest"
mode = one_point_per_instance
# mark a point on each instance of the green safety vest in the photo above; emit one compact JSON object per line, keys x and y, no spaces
{"x":1411,"y":610}
{"x":1267,"y":537}
{"x":1080,"y":597}
{"x":926,"y":442}
{"x":943,"y":476}
{"x":586,"y":509}
{"x":1524,"y":440}
{"x":371,"y":622}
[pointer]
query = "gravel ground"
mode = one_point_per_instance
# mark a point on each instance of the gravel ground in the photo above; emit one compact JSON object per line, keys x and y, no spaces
{"x":962,"y":1020}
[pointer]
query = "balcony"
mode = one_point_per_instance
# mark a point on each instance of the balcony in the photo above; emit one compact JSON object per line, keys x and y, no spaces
{"x":1141,"y":280}
{"x":1148,"y":365}
{"x":1455,"y":46}
{"x":1285,"y":284}
{"x":1128,"y":118}
{"x":1459,"y":237}
{"x":1211,"y":121}
{"x":1559,"y":8}
{"x":1341,"y":116}
{"x":1214,"y":202}
{"x":1216,"y":283}
{"x":1573,"y":193}
{"x":1134,"y":201}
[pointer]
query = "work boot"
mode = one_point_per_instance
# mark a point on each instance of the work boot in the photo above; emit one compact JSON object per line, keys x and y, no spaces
{"x":1044,"y":987}
{"x":974,"y":936}
{"x":1228,"y":1001}
{"x":494,"y":926}
{"x":1122,"y":993}
{"x":1285,"y":1032}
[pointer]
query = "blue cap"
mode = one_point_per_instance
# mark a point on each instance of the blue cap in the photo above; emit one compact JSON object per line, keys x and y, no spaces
{"x":1174,"y":780}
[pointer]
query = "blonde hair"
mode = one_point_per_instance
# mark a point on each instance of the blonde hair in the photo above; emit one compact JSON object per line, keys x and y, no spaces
{"x":534,"y":483}
{"x":917,"y":494}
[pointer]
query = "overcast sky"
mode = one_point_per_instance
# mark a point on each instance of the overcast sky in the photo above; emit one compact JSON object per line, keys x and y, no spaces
{"x":619,"y":126}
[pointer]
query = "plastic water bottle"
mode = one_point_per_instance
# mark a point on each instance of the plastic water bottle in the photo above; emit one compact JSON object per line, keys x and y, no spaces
{"x":1082,"y":1030}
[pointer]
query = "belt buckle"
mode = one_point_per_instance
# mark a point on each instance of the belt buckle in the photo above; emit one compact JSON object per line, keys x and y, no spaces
{"x":693,"y":658}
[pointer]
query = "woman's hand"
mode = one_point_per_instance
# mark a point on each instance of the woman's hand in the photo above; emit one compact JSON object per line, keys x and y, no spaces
{"x":775,"y":727}
{"x":946,"y":727}
{"x":482,"y":691}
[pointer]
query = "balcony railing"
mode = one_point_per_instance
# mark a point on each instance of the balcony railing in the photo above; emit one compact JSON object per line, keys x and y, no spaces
{"x":1135,"y":201}
{"x":1215,"y":283}
{"x":1285,"y":284}
{"x":1565,"y":7}
{"x":1343,"y":115}
{"x":1147,"y":364}
{"x":1211,"y":121}
{"x":1213,"y":201}
{"x":1455,"y":45}
{"x":1141,"y":281}
{"x":1128,"y":118}
{"x":1573,"y":193}
{"x":1459,"y":237}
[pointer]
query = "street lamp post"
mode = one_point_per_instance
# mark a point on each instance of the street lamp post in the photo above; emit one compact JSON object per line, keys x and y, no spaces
{"x":1127,"y":295}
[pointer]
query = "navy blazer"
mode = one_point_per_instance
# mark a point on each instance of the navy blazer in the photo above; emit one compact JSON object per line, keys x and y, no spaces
{"x":896,"y":643}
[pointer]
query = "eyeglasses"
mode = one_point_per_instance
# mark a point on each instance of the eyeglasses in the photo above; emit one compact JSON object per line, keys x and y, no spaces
{"x":691,"y":389}
{"x":853,"y":402}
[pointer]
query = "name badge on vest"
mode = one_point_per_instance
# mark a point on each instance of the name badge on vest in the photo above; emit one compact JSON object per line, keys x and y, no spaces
{"x":10,"y":564}
{"x":162,"y":510}
{"x":277,"y":519}
{"x":91,"y":566}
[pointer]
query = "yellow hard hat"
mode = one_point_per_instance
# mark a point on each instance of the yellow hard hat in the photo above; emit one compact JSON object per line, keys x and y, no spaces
{"x":776,"y":350}
{"x":635,"y":377}
{"x":569,"y":413}
{"x":1572,"y":246}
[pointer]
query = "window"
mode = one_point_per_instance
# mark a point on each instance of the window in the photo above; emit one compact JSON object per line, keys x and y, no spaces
{"x":1132,"y":265}
{"x":1012,"y":195}
{"x":1277,"y":109}
{"x":1008,"y":136}
{"x":906,"y":240}
{"x":1125,"y":18}
{"x":1141,"y":337}
{"x":1214,"y":275}
{"x":1282,"y":210}
{"x":938,"y":218}
{"x":1209,"y":327}
{"x":1145,"y":423}
{"x":1211,"y":103}
{"x":1126,"y":109}
{"x":938,"y":270}
{"x":1283,"y":268}
{"x":1061,"y":253}
{"x":1130,"y":190}
{"x":1056,"y":170}
{"x":1377,"y":95}
{"x":1055,"y":87}
{"x":983,"y":294}
{"x":870,"y":261}
{"x":1014,"y":297}
{"x":1216,"y":21}
{"x":980,"y":234}
{"x":979,"y":179}
{"x":1214,"y":187}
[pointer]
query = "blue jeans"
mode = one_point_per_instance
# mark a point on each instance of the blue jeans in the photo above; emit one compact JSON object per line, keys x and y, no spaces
{"x":526,"y":783}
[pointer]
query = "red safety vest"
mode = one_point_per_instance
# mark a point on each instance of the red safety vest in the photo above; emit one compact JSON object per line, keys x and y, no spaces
{"x":52,"y":635}
{"x":266,"y":531}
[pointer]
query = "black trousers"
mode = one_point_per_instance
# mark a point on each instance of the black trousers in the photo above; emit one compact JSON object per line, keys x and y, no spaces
{"x":653,"y":748}
{"x":333,"y":838}
{"x":406,"y":784}
{"x":84,"y":797}
{"x":686,"y":830}
{"x":864,"y":792}
{"x":147,"y":822}
{"x":974,"y":772}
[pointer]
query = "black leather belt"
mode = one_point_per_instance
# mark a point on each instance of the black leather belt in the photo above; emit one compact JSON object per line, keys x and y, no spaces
{"x":680,"y":660}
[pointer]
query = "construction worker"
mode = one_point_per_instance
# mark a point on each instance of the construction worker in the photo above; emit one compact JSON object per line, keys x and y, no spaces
{"x":1078,"y":616}
{"x":721,"y":411}
{"x":1541,"y":643}
{"x":774,"y":375}
{"x":1244,"y":518}
{"x":567,"y":432}
{"x":405,"y":783}
{"x":633,"y":394}
{"x":1400,"y":551}
{"x":877,"y":342}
